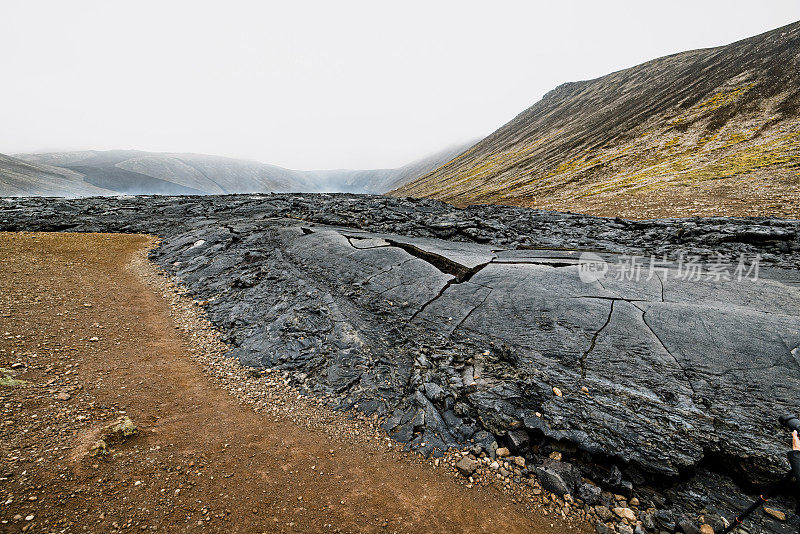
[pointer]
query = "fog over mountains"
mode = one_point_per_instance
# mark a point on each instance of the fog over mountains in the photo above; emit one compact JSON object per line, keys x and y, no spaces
{"x":706,"y":132}
{"x":20,"y":178}
{"x":129,"y":172}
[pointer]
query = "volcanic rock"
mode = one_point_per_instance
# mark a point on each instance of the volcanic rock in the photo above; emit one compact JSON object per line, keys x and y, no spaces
{"x":460,"y":341}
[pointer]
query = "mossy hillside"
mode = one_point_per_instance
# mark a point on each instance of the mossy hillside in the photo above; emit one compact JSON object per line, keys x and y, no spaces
{"x":652,"y":154}
{"x":695,"y":156}
{"x":682,"y":123}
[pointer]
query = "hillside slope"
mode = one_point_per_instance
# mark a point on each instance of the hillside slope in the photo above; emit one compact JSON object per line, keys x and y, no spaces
{"x":22,"y":178}
{"x":705,"y":132}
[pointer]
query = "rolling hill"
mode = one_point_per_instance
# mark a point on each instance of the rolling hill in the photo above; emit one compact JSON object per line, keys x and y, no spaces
{"x":133,"y":172}
{"x":23,"y":178}
{"x":130,"y":172}
{"x":705,"y":132}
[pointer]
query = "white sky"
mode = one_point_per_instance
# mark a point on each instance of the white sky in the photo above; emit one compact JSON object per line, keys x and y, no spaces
{"x":312,"y":85}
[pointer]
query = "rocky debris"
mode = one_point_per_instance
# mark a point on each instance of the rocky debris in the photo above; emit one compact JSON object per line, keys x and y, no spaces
{"x":589,"y":493}
{"x":467,"y":465}
{"x":688,"y":526}
{"x":557,"y":477}
{"x":625,"y":513}
{"x":113,"y":433}
{"x":777,"y":514}
{"x":119,"y":430}
{"x":462,"y":343}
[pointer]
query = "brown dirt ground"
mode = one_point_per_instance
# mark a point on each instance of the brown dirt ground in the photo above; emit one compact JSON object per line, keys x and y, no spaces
{"x":202,"y":460}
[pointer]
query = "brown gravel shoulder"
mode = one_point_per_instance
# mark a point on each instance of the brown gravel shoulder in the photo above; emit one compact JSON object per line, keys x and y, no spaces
{"x":96,"y":332}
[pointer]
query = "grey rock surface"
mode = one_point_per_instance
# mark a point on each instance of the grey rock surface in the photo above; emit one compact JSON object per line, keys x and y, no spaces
{"x":557,"y":477}
{"x":455,"y":326}
{"x":466,"y":466}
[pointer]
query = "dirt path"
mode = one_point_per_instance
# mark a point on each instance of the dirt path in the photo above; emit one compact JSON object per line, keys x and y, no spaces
{"x":94,"y":342}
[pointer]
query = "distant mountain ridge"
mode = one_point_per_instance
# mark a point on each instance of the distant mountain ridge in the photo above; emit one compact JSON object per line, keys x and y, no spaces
{"x":131,"y":172}
{"x":24,"y":178}
{"x":134,"y":172}
{"x":704,"y":132}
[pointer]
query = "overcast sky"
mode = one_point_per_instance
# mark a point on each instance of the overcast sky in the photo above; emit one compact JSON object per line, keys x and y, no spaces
{"x":312,"y":85}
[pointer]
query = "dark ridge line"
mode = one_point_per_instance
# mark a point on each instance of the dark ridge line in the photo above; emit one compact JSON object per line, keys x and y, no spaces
{"x":384,"y":271}
{"x":443,"y":264}
{"x":594,"y":340}
{"x":554,"y":264}
{"x":441,"y":292}
{"x":462,"y":321}
{"x":460,"y":273}
{"x":660,"y":281}
{"x":350,"y":240}
{"x":473,"y":271}
{"x":610,"y":298}
{"x":677,"y":361}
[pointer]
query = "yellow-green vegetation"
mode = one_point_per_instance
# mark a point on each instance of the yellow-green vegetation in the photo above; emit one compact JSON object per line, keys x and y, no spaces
{"x":7,"y":378}
{"x":490,"y":165}
{"x":723,"y":97}
{"x":501,"y":161}
{"x":734,"y":138}
{"x":714,"y":102}
{"x":638,"y":166}
{"x":100,"y":448}
{"x":627,"y":167}
{"x":782,"y":151}
{"x":570,"y":167}
{"x":119,"y":430}
{"x":670,"y":165}
{"x":116,"y":432}
{"x":706,"y":139}
{"x":679,"y":160}
{"x":650,"y":155}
